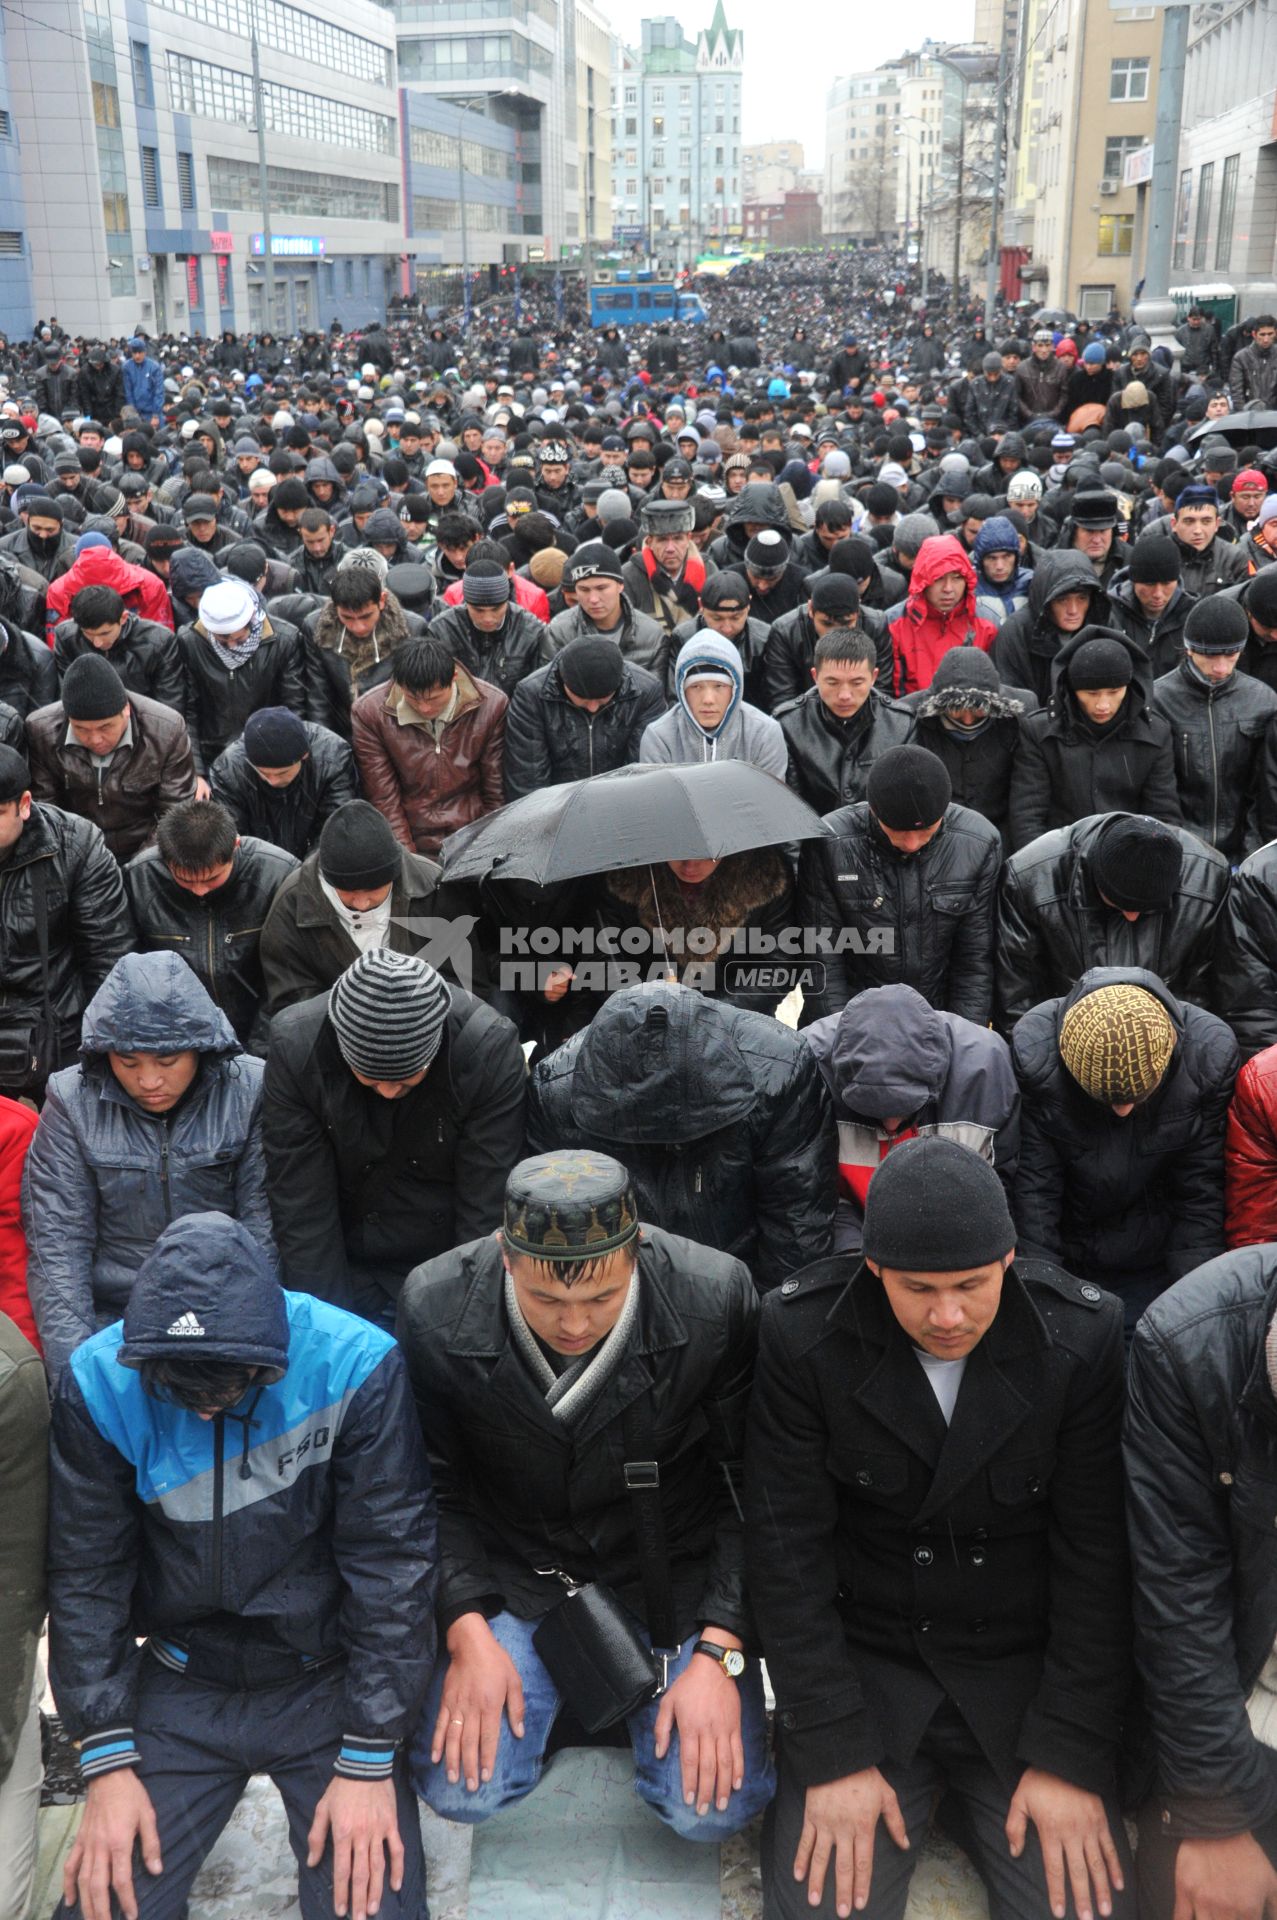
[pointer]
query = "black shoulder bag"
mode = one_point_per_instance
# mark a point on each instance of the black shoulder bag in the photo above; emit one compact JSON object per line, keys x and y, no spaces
{"x":601,"y":1664}
{"x":29,"y":1051}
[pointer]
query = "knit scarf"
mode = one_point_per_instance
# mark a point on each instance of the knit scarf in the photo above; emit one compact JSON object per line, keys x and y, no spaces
{"x":569,"y":1394}
{"x":233,"y":657}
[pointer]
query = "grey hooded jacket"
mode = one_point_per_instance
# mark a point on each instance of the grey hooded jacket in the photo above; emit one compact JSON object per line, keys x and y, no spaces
{"x":744,"y":733}
{"x":104,"y":1178}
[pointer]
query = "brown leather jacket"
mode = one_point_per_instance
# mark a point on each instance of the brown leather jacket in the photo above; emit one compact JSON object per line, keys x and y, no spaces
{"x":428,"y":788}
{"x":126,"y":797}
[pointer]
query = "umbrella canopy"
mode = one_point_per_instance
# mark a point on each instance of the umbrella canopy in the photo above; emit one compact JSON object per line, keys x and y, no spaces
{"x":1054,"y":317}
{"x":1256,"y":429}
{"x":633,"y":817}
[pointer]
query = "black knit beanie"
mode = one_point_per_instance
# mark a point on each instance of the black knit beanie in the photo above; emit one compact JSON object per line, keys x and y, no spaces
{"x":1216,"y":625}
{"x":92,"y":689}
{"x":357,"y":848}
{"x":1154,"y":557}
{"x":592,"y":667}
{"x":1136,"y":862}
{"x":908,"y":788}
{"x":1100,"y":661}
{"x":1261,"y":597}
{"x":935,"y":1207}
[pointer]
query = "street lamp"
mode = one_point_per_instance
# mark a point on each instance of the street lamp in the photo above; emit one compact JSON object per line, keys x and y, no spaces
{"x":913,"y":119}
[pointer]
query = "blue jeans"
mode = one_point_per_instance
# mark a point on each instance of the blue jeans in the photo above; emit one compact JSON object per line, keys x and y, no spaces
{"x":519,"y":1763}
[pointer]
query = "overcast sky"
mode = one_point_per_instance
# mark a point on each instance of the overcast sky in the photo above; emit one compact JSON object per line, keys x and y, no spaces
{"x":792,"y":54}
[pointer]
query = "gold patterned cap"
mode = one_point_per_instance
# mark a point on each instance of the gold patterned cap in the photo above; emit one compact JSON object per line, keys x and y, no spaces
{"x":569,"y":1206}
{"x":1117,"y":1043}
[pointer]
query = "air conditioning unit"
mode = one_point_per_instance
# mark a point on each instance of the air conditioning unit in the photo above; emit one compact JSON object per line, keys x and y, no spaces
{"x":1110,"y":186}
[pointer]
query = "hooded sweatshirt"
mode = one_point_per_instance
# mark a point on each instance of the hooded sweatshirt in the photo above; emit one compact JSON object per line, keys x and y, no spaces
{"x":889,"y":1055}
{"x":920,"y":636}
{"x":743,"y":733}
{"x":142,"y":592}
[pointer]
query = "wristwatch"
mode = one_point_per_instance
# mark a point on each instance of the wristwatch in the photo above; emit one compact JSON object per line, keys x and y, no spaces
{"x":730,"y":1659}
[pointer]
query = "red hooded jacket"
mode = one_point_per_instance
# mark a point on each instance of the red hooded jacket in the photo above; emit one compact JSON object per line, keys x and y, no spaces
{"x":920,"y":637}
{"x":143,"y":593}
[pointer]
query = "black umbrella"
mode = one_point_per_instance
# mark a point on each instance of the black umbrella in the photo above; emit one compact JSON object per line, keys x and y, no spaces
{"x":1256,"y":429}
{"x":633,"y":817}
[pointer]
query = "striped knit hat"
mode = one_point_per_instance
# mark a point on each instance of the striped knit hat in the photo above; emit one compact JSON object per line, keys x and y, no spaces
{"x":1117,"y":1043}
{"x":387,"y":1011}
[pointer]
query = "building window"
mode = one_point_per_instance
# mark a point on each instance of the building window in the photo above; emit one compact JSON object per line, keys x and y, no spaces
{"x":1183,"y":212}
{"x":658,"y":126}
{"x":658,"y":96}
{"x":658,"y":188}
{"x":150,"y":177}
{"x":631,"y":156}
{"x":685,"y":123}
{"x":1205,"y":196}
{"x":1128,"y":79}
{"x":1227,"y":210}
{"x":631,"y":96}
{"x":658,"y":157}
{"x":186,"y":180}
{"x":233,"y":185}
{"x":685,"y":96}
{"x":296,"y":31}
{"x":222,"y":93}
{"x":115,"y":212}
{"x":1116,"y":148}
{"x":1117,"y":234}
{"x":143,"y":92}
{"x":631,"y":127}
{"x":631,"y":189}
{"x":685,"y":186}
{"x":106,"y":105}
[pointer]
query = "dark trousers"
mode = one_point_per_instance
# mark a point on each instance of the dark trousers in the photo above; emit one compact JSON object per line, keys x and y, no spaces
{"x":200,"y":1744}
{"x":948,"y":1765}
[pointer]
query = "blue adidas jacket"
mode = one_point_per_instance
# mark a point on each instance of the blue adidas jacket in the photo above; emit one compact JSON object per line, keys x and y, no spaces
{"x":297,"y":1528}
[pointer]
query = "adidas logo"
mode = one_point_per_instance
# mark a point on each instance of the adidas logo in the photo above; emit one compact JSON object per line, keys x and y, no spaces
{"x":186,"y":1326}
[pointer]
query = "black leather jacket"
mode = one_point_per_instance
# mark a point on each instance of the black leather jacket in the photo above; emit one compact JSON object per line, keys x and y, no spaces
{"x":1053,"y":925}
{"x":547,"y":739}
{"x":1223,"y":741}
{"x":1201,"y":1474}
{"x":925,"y":919}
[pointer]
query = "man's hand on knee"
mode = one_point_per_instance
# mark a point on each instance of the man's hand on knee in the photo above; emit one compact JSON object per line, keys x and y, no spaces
{"x":1073,"y":1832}
{"x":364,"y":1824}
{"x":117,"y":1815}
{"x":840,"y":1820}
{"x":1229,"y":1879}
{"x":704,"y":1704}
{"x":482,"y":1682}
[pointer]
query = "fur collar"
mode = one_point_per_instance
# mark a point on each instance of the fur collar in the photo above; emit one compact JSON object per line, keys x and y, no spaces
{"x":743,"y":884}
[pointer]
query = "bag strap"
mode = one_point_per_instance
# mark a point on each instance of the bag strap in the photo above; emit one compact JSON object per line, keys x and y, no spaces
{"x":643,"y":1481}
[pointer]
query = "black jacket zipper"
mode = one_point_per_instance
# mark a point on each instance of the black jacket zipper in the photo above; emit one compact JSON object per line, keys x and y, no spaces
{"x":219,"y":1450}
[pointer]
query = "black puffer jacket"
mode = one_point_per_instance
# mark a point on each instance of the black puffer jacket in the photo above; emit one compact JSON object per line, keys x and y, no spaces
{"x":359,"y":1186}
{"x":924,"y":918}
{"x":1200,"y":1453}
{"x":28,"y":678}
{"x":1067,"y":767}
{"x":791,"y":655}
{"x":218,"y":702}
{"x":1110,"y":1197}
{"x":547,"y":739}
{"x":290,"y":817}
{"x":502,"y":659}
{"x":145,"y":656}
{"x":518,"y":1491}
{"x":830,"y":760}
{"x":89,"y":926}
{"x":1028,"y":642}
{"x":1053,"y":925}
{"x":218,"y":936}
{"x":1246,"y":959}
{"x":1222,"y":735}
{"x":719,"y":1114}
{"x":1162,"y":638}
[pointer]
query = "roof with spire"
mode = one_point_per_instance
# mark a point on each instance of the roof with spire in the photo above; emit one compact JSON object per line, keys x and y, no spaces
{"x":718,"y":33}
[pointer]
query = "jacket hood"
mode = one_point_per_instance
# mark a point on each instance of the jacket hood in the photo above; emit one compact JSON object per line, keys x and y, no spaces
{"x":761,"y":502}
{"x":725,"y":654}
{"x":207,"y":1291}
{"x":939,"y":554}
{"x":103,"y":567}
{"x":153,"y":1003}
{"x":190,"y":571}
{"x":997,"y":535}
{"x":886,"y":1054}
{"x":321,"y":468}
{"x":1141,"y":660}
{"x":659,"y":1063}
{"x":1062,"y":572}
